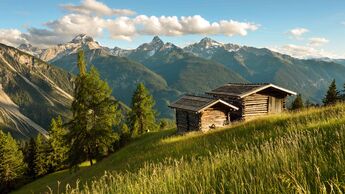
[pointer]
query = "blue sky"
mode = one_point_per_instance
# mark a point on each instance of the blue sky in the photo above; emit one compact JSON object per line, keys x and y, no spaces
{"x":319,"y":24}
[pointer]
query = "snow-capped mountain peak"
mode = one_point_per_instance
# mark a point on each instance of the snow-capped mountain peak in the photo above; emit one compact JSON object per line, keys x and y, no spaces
{"x":207,"y":47}
{"x":149,"y":49}
{"x":82,"y":38}
{"x":80,"y":41}
{"x":156,"y":41}
{"x":208,"y":42}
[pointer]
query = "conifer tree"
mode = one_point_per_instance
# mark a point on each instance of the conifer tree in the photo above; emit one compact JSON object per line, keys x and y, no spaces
{"x":59,"y":149}
{"x":142,"y":116}
{"x":297,"y":103}
{"x":30,"y":155}
{"x":95,"y":112}
{"x":42,"y":159}
{"x":332,"y":95}
{"x":125,"y":134}
{"x":12,"y":166}
{"x":343,"y":94}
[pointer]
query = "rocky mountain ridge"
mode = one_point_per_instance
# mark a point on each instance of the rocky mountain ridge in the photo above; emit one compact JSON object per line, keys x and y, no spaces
{"x":32,"y":93}
{"x":197,"y":67}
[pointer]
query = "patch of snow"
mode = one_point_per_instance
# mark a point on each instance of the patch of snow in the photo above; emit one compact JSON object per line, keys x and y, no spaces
{"x":151,"y":53}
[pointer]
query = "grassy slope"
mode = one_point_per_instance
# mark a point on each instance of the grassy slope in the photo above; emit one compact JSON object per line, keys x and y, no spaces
{"x":283,"y":153}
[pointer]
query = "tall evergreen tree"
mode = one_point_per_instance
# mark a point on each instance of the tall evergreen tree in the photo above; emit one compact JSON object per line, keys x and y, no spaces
{"x":12,"y":166}
{"x":95,"y":112}
{"x":332,"y":95}
{"x":142,"y":116}
{"x":343,"y":94}
{"x":125,"y":135}
{"x":58,"y":154}
{"x":297,"y":103}
{"x":42,"y":159}
{"x":30,"y":155}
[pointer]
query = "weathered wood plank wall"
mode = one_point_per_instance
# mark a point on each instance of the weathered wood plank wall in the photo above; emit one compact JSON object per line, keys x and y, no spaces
{"x":187,"y":121}
{"x":254,"y":105}
{"x":214,"y":118}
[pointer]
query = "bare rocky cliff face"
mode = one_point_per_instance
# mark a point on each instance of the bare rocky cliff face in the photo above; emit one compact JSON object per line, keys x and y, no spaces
{"x":54,"y":53}
{"x":32,"y":92}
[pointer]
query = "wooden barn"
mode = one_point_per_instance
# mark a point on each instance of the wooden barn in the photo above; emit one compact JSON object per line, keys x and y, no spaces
{"x":194,"y":113}
{"x":253,"y":99}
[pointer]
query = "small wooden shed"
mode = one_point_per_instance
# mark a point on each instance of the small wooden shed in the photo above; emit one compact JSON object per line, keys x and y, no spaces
{"x":194,"y":113}
{"x":253,"y":99}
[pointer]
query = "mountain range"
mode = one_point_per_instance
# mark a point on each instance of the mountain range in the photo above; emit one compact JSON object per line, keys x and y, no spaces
{"x":170,"y":71}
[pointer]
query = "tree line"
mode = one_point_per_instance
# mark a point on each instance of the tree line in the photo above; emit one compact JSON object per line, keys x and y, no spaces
{"x":98,"y":127}
{"x":332,"y":96}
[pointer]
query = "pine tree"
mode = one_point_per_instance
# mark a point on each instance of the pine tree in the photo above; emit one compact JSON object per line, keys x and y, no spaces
{"x":30,"y":155}
{"x":297,"y":103}
{"x":12,"y":166}
{"x":332,"y":95}
{"x":125,"y":135}
{"x":58,"y":155}
{"x":42,"y":159}
{"x":343,"y":94}
{"x":95,"y":113}
{"x":142,"y":116}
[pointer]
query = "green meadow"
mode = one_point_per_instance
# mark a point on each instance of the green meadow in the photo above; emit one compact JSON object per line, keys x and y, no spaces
{"x":294,"y":152}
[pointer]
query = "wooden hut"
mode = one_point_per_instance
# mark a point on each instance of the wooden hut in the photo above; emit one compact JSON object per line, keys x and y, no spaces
{"x":194,"y":113}
{"x":253,"y":99}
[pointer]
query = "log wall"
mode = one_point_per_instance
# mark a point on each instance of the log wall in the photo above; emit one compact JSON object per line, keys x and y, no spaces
{"x":214,"y":117}
{"x":254,"y":105}
{"x":234,"y":115}
{"x":187,"y":121}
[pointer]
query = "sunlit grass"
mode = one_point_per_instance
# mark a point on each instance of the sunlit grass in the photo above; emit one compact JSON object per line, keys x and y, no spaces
{"x":86,"y":163}
{"x":300,"y":152}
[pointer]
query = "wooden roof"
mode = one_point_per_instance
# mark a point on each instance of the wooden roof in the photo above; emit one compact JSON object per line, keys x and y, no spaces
{"x":197,"y":103}
{"x":242,"y":90}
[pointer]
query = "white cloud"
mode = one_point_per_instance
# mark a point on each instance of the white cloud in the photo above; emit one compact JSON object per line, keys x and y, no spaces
{"x":317,"y":41}
{"x":64,"y":29}
{"x":91,"y":7}
{"x":121,"y":28}
{"x":91,"y":17}
{"x":126,"y":28}
{"x":174,"y":26}
{"x":304,"y":52}
{"x":298,"y":32}
{"x":12,"y":37}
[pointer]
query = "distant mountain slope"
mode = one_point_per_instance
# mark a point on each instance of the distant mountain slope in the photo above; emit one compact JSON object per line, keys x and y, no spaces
{"x":123,"y":75}
{"x":186,"y":72}
{"x":340,"y":61}
{"x":32,"y":92}
{"x":309,"y":77}
{"x":168,"y":71}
